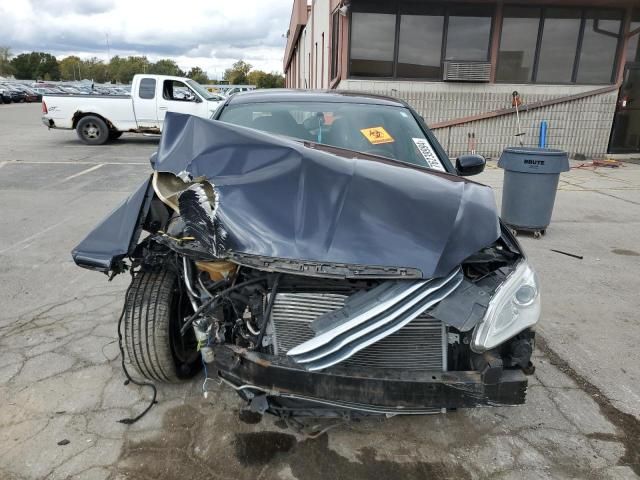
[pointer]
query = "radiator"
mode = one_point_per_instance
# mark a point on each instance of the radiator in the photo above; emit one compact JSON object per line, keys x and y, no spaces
{"x":419,"y":345}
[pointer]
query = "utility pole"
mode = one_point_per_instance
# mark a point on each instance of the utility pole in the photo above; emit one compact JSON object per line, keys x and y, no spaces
{"x":108,"y":48}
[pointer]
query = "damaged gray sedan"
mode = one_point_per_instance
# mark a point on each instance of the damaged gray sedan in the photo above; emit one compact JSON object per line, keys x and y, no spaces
{"x":334,"y":263}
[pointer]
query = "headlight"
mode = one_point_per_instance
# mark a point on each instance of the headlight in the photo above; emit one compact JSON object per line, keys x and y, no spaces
{"x":514,"y":307}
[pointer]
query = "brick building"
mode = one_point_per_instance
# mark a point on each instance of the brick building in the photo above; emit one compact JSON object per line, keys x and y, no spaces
{"x":574,"y":63}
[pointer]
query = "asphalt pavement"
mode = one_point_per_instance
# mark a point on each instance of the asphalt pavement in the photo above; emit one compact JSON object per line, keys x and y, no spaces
{"x":62,"y":391}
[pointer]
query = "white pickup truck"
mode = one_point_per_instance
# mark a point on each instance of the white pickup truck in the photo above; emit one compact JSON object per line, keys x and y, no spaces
{"x":99,"y":118}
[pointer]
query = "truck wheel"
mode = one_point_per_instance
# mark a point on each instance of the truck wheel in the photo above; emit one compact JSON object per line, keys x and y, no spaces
{"x":92,"y":130}
{"x":114,"y":134}
{"x":154,"y":310}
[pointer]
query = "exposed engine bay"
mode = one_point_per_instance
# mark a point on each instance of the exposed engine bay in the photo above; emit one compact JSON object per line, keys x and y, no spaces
{"x":318,"y":282}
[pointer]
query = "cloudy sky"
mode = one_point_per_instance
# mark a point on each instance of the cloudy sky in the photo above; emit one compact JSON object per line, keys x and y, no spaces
{"x":211,"y":34}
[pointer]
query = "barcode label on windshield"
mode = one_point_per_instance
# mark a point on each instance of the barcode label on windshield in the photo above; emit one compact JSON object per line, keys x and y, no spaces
{"x":428,"y":154}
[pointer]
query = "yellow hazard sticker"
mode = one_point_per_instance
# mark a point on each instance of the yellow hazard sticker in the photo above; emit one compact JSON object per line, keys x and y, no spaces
{"x":377,"y":135}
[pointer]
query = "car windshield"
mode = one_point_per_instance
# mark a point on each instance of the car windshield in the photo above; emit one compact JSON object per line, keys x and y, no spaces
{"x":200,"y":90}
{"x":383,"y":130}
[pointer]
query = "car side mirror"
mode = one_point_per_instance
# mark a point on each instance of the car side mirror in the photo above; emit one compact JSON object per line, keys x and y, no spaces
{"x":467,"y":165}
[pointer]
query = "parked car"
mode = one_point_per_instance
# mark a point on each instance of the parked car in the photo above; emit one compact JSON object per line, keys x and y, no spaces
{"x":233,"y":90}
{"x":17,"y":96}
{"x":69,"y":89}
{"x":316,"y":279}
{"x":31,"y":95}
{"x":45,"y":91}
{"x":98,"y":118}
{"x":5,"y":96}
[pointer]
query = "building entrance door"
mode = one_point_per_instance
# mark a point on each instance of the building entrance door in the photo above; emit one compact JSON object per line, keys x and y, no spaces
{"x":625,"y":136}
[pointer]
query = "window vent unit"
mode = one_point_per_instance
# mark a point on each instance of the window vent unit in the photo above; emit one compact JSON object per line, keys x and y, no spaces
{"x":466,"y":71}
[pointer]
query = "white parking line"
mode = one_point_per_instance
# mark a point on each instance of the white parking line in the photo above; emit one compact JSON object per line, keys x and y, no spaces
{"x":26,"y":242}
{"x":71,"y":162}
{"x":83,"y":172}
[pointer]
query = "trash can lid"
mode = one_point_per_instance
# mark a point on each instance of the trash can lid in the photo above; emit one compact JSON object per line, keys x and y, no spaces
{"x":534,"y":160}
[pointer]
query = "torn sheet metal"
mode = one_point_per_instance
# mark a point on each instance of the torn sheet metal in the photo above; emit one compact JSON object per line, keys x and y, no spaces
{"x":116,"y":236}
{"x":198,"y":210}
{"x":370,"y":317}
{"x":279,"y":198}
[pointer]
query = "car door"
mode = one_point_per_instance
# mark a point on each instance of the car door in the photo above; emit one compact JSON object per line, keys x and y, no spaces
{"x":145,"y":103}
{"x":177,"y":96}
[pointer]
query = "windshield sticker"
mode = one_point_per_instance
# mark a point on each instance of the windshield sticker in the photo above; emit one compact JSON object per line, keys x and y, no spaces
{"x":428,"y":154}
{"x":377,"y":135}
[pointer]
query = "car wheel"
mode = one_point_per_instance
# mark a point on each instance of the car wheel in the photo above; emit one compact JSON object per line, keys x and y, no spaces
{"x":114,"y":134}
{"x":92,"y":130}
{"x":154,"y":309}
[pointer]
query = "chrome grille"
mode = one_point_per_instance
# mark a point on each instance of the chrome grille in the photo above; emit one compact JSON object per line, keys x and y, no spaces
{"x":417,"y":346}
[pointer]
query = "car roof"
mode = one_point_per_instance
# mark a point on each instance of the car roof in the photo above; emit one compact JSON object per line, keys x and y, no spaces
{"x":329,"y":96}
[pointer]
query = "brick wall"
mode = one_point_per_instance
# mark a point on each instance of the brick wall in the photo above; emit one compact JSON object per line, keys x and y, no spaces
{"x":578,"y":127}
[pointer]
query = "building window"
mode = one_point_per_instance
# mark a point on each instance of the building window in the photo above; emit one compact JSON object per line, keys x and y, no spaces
{"x":407,"y":40}
{"x":335,"y":30}
{"x":633,"y":46}
{"x":469,"y":33}
{"x":560,"y":35}
{"x":558,"y":45}
{"x":420,"y":45}
{"x":518,"y":41}
{"x":372,"y":44}
{"x":600,"y":38}
{"x":540,"y":45}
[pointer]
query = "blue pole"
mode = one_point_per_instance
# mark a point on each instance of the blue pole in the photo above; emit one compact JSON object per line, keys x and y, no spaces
{"x":542,"y":143}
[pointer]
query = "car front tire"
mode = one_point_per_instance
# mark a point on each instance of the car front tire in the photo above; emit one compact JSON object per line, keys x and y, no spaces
{"x":155,"y":307}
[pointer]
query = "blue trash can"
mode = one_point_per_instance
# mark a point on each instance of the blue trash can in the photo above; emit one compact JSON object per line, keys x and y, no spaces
{"x":531,"y":178}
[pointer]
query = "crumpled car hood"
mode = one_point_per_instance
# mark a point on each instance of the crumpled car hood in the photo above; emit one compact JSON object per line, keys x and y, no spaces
{"x":276,"y":197}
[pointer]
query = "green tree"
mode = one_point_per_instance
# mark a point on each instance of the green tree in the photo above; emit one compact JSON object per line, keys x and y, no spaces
{"x":36,"y":65}
{"x":237,"y":74}
{"x":69,"y":67}
{"x":6,"y":68}
{"x":197,"y":74}
{"x":22,"y":66}
{"x":265,"y":80}
{"x":94,"y":69}
{"x":114,"y":69}
{"x":122,"y":70}
{"x":166,"y":67}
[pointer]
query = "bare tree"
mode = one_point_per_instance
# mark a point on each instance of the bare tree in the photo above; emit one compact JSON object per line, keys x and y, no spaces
{"x":5,"y":62}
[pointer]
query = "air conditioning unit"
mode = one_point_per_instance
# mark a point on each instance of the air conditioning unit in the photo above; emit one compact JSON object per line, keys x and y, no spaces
{"x":460,"y":71}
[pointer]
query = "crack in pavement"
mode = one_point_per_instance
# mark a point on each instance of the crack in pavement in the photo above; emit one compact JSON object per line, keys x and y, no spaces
{"x":532,"y":447}
{"x":628,"y":424}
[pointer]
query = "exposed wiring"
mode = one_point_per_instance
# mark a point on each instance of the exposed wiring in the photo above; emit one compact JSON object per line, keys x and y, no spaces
{"x":206,"y":373}
{"x":177,"y":239}
{"x":311,"y":436}
{"x":104,"y":354}
{"x":211,"y":302}
{"x":267,"y":312}
{"x":252,"y":330}
{"x":206,"y":376}
{"x":129,"y":421}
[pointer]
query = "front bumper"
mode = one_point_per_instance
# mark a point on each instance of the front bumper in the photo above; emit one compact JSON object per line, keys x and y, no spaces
{"x":379,"y":390}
